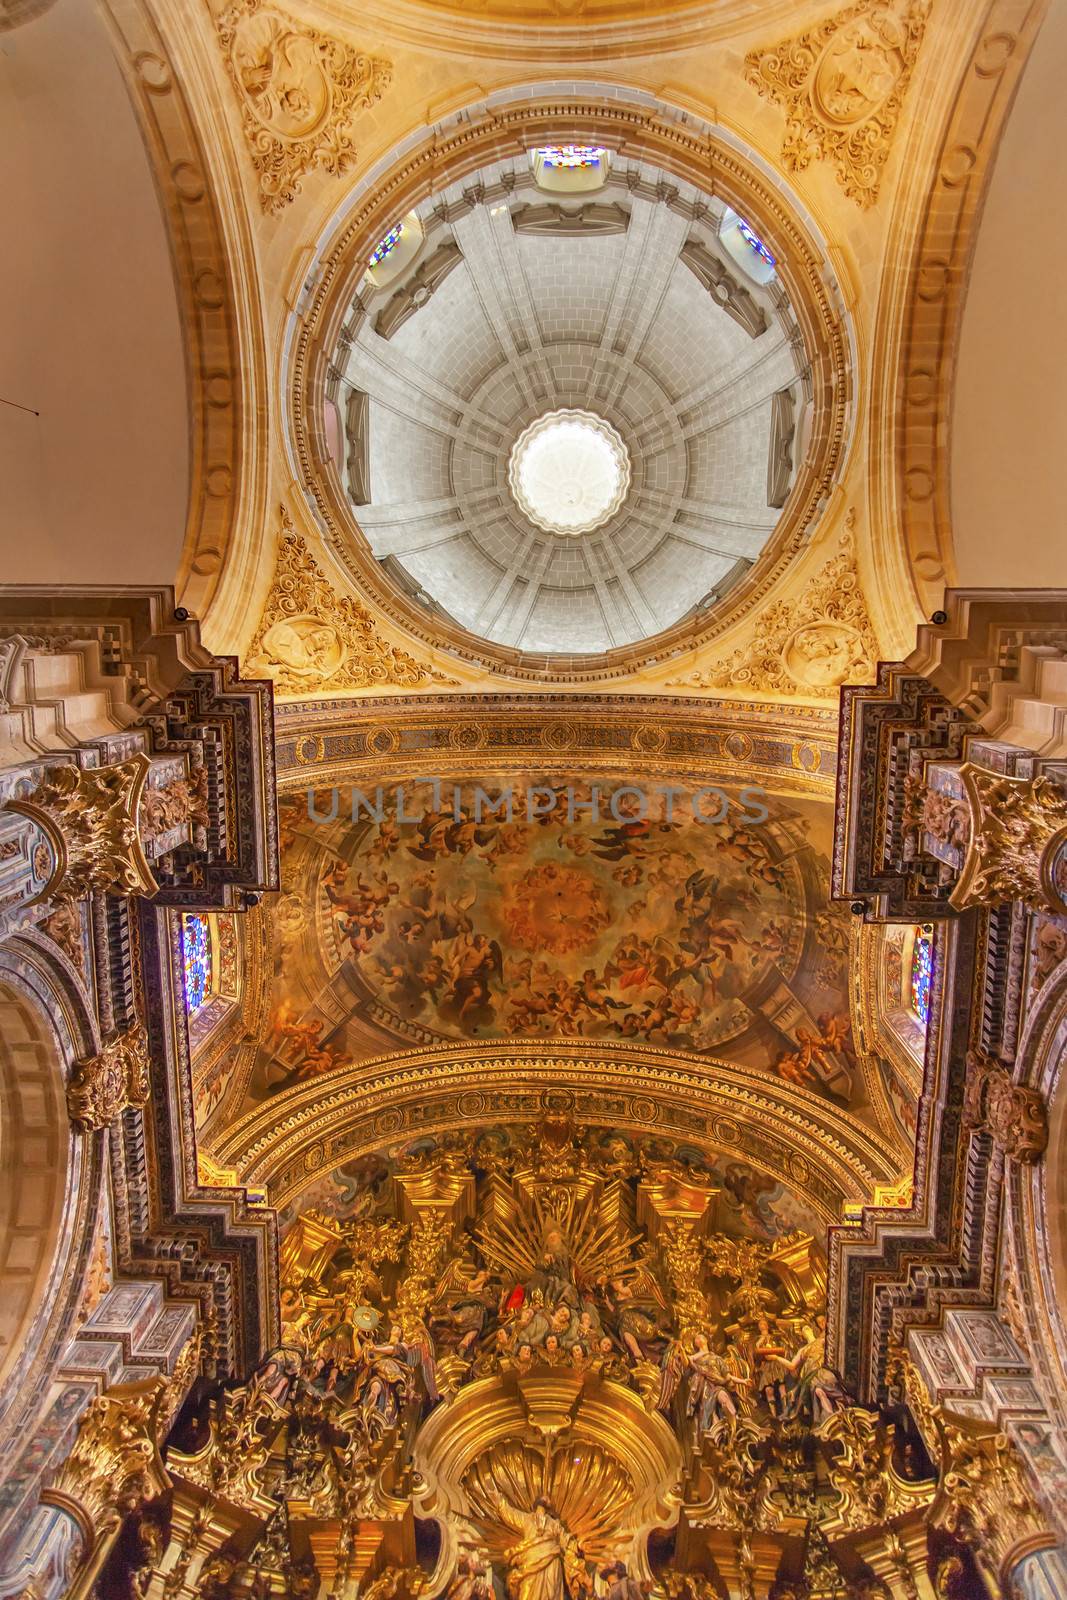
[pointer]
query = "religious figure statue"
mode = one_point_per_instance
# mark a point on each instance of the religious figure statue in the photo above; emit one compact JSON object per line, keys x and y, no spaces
{"x":535,"y":1561}
{"x":815,"y":1390}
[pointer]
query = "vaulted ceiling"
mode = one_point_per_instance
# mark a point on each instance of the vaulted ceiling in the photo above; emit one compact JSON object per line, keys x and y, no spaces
{"x":620,"y":301}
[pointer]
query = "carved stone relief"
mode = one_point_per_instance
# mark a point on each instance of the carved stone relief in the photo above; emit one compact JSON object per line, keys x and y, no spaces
{"x":298,"y":90}
{"x":310,"y":638}
{"x":842,"y":85}
{"x":554,"y":219}
{"x":817,"y":642}
{"x":419,"y":288}
{"x":737,"y":301}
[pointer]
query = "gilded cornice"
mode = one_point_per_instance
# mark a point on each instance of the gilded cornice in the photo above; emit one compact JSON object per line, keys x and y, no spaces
{"x":821,"y":1152}
{"x":693,"y":152}
{"x":791,"y":750}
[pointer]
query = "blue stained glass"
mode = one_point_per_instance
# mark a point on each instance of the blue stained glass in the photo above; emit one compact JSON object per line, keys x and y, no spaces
{"x":384,"y":246}
{"x":922,"y":961}
{"x":571,"y":155}
{"x":753,"y":239}
{"x":196,"y":962}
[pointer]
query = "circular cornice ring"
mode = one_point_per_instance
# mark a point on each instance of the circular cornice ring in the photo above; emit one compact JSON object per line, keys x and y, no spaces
{"x":802,"y":1140}
{"x":693,"y":152}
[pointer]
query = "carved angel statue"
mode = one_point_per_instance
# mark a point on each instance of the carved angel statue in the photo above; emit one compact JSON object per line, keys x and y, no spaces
{"x":714,"y":1388}
{"x":815,"y":1391}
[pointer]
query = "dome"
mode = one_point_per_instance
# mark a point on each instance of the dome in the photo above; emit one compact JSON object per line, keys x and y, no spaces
{"x":572,"y":417}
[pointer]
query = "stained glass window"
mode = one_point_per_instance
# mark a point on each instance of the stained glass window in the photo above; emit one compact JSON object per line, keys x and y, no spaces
{"x":570,"y":155}
{"x":196,"y":962}
{"x":922,"y":960}
{"x":384,"y":246}
{"x":753,"y":240}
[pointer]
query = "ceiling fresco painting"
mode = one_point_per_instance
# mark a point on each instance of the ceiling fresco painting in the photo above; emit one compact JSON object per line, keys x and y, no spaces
{"x":620,"y":915}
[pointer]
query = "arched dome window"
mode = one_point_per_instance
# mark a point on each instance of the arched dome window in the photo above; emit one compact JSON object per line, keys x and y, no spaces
{"x":922,"y":956}
{"x":197,"y":962}
{"x":745,"y":247}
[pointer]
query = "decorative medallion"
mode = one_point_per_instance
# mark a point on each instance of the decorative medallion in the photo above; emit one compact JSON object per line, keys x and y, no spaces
{"x":815,"y":643}
{"x":842,"y":85}
{"x":309,"y":638}
{"x":298,"y":90}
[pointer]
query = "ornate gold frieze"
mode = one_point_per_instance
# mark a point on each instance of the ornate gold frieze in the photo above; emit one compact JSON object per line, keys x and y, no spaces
{"x":1013,"y":1115}
{"x":299,"y":91}
{"x":814,"y":643}
{"x":113,"y":1080}
{"x":310,"y":639}
{"x":89,"y":817}
{"x":819,"y":1150}
{"x":1018,"y":842}
{"x":842,"y":85}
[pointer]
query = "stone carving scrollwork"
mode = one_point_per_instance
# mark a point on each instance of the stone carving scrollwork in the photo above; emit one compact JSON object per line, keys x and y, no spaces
{"x":114,"y":1465}
{"x":425,"y":281}
{"x":738,"y":302}
{"x":816,"y":642}
{"x":298,"y":91}
{"x":842,"y":85}
{"x":310,"y":638}
{"x":89,"y":817}
{"x":985,"y":1498}
{"x":115,"y":1079}
{"x":1012,"y":1114}
{"x":553,"y":219}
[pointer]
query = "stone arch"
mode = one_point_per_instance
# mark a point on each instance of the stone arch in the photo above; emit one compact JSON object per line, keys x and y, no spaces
{"x":36,"y":1167}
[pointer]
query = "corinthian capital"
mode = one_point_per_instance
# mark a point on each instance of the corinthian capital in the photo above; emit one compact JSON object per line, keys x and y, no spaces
{"x":114,"y":1464}
{"x":89,"y":817}
{"x":1018,"y":842}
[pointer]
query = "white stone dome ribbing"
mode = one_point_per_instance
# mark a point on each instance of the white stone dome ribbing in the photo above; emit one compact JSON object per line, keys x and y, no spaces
{"x":606,"y":319}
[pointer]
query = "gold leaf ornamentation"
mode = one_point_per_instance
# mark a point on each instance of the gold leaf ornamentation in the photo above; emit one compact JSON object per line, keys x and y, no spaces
{"x":310,"y":638}
{"x":1017,"y":849}
{"x":814,"y":643}
{"x":89,"y":817}
{"x":114,"y":1465}
{"x":842,"y":85}
{"x":101,"y":1086}
{"x":298,"y":91}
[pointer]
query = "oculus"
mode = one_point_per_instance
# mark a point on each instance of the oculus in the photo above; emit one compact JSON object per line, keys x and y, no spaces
{"x":569,"y":472}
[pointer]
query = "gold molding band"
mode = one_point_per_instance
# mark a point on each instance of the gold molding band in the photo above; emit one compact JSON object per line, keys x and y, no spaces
{"x":801,"y":1139}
